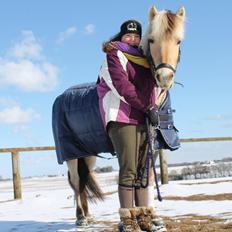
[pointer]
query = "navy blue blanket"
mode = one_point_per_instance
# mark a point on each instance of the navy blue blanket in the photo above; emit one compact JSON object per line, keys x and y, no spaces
{"x":77,"y":125}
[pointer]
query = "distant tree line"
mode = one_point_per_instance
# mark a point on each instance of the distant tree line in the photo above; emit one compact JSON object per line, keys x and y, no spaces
{"x":104,"y":169}
{"x":199,"y":171}
{"x":227,"y":159}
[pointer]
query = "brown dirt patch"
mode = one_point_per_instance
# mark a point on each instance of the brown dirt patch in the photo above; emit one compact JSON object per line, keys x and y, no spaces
{"x":187,"y":223}
{"x":202,"y":197}
{"x":210,"y":182}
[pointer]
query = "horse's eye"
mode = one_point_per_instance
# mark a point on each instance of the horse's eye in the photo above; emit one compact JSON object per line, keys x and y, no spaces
{"x":150,"y":40}
{"x":178,"y":42}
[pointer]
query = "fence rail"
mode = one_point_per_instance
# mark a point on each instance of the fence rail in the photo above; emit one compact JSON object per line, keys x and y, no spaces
{"x":16,"y":164}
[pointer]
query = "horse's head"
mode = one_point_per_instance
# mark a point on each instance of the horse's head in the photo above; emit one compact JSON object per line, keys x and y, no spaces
{"x":161,"y":44}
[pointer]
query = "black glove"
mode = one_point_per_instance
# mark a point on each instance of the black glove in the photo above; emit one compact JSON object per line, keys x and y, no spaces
{"x":153,"y":116}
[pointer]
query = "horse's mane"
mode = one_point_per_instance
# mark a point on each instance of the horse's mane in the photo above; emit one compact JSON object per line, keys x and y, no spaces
{"x":163,"y":25}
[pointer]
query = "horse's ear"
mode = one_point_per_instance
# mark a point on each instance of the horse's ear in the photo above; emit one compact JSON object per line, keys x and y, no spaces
{"x":152,"y":13}
{"x":181,"y":12}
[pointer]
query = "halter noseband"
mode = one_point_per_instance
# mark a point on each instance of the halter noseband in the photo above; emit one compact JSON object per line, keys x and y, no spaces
{"x":154,"y":68}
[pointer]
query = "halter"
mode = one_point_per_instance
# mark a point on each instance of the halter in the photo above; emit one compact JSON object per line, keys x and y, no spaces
{"x":154,"y":68}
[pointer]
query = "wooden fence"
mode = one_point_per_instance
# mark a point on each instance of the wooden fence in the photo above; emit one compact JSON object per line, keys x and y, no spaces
{"x":16,"y":164}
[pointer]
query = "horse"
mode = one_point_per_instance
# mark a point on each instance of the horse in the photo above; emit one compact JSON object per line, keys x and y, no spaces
{"x":161,"y":46}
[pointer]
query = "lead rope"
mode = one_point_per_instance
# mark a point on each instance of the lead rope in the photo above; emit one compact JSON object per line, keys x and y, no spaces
{"x":150,"y":156}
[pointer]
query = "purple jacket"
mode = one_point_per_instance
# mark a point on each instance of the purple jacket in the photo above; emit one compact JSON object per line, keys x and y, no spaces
{"x":126,"y":90}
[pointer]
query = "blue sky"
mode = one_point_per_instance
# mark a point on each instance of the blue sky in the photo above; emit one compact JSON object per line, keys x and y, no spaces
{"x":48,"y":46}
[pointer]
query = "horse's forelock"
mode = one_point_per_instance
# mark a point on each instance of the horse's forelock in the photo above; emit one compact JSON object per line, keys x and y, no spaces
{"x":171,"y":19}
{"x":164,"y":24}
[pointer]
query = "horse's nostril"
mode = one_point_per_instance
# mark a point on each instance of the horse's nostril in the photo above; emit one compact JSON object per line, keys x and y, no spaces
{"x":171,"y":75}
{"x":158,"y":77}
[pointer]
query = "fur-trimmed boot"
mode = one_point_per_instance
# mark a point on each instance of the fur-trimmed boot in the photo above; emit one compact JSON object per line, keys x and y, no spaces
{"x":156,"y":220}
{"x":149,"y":221}
{"x":128,"y":220}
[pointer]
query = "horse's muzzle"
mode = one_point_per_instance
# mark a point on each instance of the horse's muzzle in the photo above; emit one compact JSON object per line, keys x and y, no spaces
{"x":164,"y":78}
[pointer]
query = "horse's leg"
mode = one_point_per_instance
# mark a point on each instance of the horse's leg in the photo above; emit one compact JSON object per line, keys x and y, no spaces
{"x":90,"y":162}
{"x":87,"y":185}
{"x":74,"y":181}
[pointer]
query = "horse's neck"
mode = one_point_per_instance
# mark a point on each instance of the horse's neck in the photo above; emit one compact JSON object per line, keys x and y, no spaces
{"x":160,"y":96}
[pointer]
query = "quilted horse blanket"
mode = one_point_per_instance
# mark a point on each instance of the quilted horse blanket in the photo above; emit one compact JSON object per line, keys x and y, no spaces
{"x":78,"y":130}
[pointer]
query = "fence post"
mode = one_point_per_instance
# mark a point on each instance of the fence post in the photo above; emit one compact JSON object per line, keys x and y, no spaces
{"x":16,"y":175}
{"x":163,"y":167}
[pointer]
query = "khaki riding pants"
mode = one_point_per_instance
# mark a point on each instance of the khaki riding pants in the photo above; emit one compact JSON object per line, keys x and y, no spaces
{"x":130,"y":144}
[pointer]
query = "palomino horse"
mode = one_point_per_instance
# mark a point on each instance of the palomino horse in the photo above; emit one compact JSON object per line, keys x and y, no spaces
{"x":161,"y":45}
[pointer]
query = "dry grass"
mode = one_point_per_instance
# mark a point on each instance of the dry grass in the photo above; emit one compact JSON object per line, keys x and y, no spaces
{"x":207,"y":182}
{"x":201,"y":197}
{"x":195,"y":223}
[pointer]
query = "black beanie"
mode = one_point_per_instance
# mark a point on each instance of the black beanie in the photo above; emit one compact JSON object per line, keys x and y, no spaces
{"x":130,"y":26}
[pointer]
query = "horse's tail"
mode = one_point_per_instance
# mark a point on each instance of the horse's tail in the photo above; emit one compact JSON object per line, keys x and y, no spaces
{"x":88,"y":185}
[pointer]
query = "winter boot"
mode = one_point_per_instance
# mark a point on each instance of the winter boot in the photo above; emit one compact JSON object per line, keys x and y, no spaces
{"x":148,"y":220}
{"x":156,"y":220}
{"x":128,"y":220}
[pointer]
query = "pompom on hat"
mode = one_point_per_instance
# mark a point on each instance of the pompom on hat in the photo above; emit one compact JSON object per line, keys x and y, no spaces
{"x":130,"y":26}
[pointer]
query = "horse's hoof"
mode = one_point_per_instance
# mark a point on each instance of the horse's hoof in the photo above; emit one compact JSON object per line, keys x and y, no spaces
{"x":82,"y":222}
{"x":90,"y":219}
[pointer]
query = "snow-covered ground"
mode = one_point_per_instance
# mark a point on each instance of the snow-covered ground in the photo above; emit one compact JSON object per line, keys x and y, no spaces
{"x":47,"y":203}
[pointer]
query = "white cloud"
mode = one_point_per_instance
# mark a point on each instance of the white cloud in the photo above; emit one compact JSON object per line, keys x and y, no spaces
{"x":224,"y":119}
{"x":26,"y":68}
{"x":28,"y":47}
{"x":66,"y":34}
{"x":7,"y":101}
{"x":220,"y":117}
{"x":27,"y":134}
{"x":16,"y":115}
{"x":89,"y":29}
{"x":28,"y":76}
{"x":215,"y":117}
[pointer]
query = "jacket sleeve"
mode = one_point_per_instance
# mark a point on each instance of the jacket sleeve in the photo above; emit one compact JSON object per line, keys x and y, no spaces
{"x":119,"y":82}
